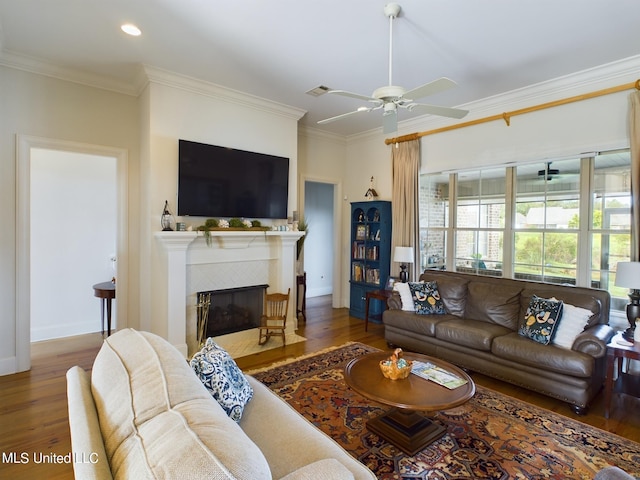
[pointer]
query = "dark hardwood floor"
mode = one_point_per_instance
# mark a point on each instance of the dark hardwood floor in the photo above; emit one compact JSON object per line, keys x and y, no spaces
{"x":33,"y":406}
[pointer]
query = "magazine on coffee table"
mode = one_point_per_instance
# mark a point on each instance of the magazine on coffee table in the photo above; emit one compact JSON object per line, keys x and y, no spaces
{"x":436,"y":374}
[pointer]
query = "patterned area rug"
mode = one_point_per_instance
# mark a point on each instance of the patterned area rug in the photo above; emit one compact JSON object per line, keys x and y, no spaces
{"x":492,"y":436}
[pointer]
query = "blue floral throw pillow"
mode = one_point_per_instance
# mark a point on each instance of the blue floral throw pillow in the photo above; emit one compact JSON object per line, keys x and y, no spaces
{"x":541,"y":319}
{"x":222,"y":377}
{"x":426,"y":298}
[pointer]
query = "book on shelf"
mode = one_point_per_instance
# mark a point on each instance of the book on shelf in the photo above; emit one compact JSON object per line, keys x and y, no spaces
{"x":358,"y":250}
{"x":436,"y":374}
{"x":361,"y":232}
{"x":373,"y":275}
{"x":357,"y":272}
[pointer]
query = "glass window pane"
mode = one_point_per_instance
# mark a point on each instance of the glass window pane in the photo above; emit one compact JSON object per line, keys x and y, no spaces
{"x":434,"y":244}
{"x":528,"y":252}
{"x":548,"y":194}
{"x":611,"y":222}
{"x":434,"y":201}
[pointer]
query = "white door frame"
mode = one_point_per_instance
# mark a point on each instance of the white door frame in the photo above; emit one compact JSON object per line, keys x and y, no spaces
{"x":24,"y":144}
{"x":336,"y":301}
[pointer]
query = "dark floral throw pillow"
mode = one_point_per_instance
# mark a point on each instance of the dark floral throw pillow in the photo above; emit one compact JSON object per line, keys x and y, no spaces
{"x":541,"y":319}
{"x":426,"y":298}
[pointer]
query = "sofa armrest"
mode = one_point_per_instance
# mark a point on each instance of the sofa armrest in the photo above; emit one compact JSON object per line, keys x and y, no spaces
{"x":90,"y":458}
{"x":593,"y":341}
{"x":394,"y":302}
{"x":326,"y":469}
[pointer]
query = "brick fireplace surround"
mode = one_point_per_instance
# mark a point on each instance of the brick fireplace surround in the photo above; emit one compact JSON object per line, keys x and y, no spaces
{"x":234,"y":259}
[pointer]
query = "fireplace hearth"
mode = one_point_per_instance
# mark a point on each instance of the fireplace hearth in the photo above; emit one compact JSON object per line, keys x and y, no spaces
{"x":234,"y":309}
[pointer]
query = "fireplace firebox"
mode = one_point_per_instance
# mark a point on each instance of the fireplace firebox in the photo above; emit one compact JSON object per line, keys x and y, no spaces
{"x":234,"y":309}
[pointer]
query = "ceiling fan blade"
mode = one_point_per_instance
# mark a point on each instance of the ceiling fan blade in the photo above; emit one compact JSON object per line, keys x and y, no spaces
{"x":438,"y":110}
{"x":344,"y":93}
{"x":439,"y":85}
{"x":389,"y":122}
{"x":343,"y":115}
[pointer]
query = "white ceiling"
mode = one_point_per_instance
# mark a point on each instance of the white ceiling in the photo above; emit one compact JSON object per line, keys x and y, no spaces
{"x":278,"y":50}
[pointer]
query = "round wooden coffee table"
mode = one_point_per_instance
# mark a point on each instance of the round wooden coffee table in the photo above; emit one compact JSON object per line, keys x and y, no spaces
{"x":405,"y":426}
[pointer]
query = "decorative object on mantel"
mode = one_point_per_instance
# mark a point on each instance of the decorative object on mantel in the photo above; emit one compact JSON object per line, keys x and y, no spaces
{"x":166,"y":220}
{"x":213,"y":224}
{"x":371,"y":193}
{"x":303,"y":226}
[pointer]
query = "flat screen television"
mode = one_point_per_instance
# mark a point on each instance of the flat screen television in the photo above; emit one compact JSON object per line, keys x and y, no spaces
{"x":221,"y":182}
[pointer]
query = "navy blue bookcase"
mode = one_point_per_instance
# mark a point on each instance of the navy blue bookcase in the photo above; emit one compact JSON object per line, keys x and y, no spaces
{"x":370,"y":254}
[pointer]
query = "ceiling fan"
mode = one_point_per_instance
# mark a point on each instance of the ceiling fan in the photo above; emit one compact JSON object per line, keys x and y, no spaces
{"x":391,"y":97}
{"x":548,"y":172}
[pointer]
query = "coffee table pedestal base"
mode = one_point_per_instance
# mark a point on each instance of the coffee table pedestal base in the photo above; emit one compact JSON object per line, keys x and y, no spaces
{"x":408,"y":430}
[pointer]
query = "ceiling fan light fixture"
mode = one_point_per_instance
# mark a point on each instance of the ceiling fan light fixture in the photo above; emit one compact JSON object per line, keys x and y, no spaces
{"x":317,"y":91}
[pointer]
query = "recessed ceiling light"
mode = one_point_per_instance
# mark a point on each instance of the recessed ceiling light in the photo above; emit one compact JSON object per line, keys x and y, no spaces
{"x":131,"y":29}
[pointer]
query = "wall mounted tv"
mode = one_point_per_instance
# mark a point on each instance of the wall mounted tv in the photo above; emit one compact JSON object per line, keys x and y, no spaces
{"x":218,"y":182}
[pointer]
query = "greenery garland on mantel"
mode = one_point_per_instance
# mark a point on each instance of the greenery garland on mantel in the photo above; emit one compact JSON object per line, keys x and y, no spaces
{"x":231,"y":225}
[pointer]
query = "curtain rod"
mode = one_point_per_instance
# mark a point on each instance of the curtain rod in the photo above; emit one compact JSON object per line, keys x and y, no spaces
{"x":506,"y":116}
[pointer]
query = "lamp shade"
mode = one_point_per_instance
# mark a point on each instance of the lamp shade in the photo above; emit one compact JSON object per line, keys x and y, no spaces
{"x":628,"y":275}
{"x":403,"y":254}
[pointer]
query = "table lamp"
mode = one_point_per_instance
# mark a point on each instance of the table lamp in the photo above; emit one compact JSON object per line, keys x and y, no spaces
{"x":628,"y":275}
{"x":403,"y":255}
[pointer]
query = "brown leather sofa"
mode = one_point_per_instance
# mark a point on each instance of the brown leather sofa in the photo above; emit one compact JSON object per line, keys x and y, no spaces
{"x":479,"y":332}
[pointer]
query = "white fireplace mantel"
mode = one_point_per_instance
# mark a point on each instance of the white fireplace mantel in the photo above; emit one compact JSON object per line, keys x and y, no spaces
{"x":227,"y":248}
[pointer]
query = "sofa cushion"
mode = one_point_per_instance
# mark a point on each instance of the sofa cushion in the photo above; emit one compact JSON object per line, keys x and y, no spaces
{"x":476,"y":334}
{"x":419,"y":324}
{"x":541,"y":319}
{"x":522,"y":350}
{"x":426,"y":298}
{"x":406,"y":296}
{"x":494,"y":303}
{"x":453,"y":291}
{"x":222,"y":378}
{"x":157,"y":419}
{"x":573,"y":322}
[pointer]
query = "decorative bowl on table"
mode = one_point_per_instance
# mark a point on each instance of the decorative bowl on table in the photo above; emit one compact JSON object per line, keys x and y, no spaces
{"x":395,"y":367}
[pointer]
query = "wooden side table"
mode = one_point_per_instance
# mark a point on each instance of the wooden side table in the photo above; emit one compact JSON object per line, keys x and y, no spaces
{"x":105,"y":291}
{"x":381,"y":295}
{"x":624,"y":382}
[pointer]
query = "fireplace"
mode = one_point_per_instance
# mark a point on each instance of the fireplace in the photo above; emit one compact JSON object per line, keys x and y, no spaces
{"x":233,"y":309}
{"x":187,"y":264}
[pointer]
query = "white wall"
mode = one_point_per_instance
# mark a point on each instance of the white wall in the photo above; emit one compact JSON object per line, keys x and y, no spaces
{"x":73,"y":236}
{"x":47,"y":107}
{"x":322,"y":158}
{"x":318,"y":246}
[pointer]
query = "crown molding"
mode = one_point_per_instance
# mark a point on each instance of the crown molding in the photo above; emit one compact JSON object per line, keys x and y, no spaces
{"x":315,"y":133}
{"x":190,"y":84}
{"x":143,"y":76}
{"x":577,"y":83}
{"x":48,"y":69}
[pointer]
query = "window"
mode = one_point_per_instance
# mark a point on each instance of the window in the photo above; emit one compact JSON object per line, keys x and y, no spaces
{"x":564,"y":221}
{"x":547,"y":219}
{"x":480,"y":221}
